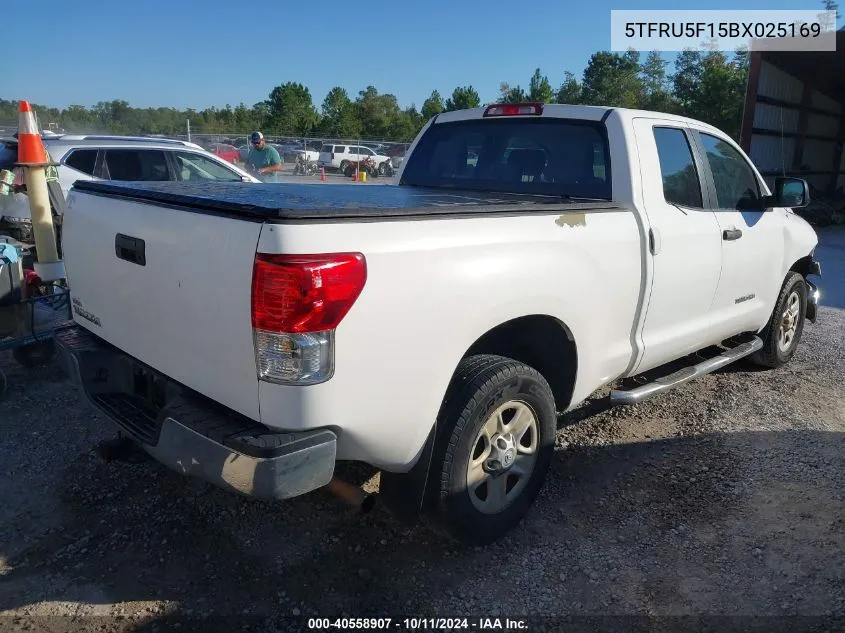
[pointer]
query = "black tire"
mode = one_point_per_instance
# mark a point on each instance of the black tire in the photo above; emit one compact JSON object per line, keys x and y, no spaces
{"x":382,"y":168}
{"x":34,"y":354}
{"x":343,"y":165}
{"x":481,"y":385}
{"x":773,"y":354}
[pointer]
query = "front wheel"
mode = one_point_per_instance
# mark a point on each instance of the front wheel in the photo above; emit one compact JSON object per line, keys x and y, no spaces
{"x":783,"y":331}
{"x":496,"y":436}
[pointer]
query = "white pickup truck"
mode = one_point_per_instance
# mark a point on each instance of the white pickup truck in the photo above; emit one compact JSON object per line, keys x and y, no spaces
{"x":255,"y":335}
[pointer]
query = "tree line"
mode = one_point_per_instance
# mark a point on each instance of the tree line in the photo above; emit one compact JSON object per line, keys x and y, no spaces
{"x":708,"y":85}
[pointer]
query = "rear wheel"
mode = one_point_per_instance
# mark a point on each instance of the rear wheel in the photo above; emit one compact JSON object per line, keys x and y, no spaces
{"x":495,"y":442}
{"x":344,"y":165}
{"x":783,"y":331}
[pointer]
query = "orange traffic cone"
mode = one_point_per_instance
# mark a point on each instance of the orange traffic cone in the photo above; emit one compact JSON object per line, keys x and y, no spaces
{"x":323,"y":174}
{"x":33,"y":157}
{"x":355,"y":176}
{"x":31,"y":152}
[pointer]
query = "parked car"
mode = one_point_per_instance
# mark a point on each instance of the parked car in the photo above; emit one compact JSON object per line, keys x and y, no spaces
{"x":95,"y":157}
{"x":435,"y":328}
{"x":226,"y":152}
{"x":399,"y":149}
{"x":309,"y":154}
{"x":338,"y":156}
{"x":309,"y":151}
{"x":397,"y":154}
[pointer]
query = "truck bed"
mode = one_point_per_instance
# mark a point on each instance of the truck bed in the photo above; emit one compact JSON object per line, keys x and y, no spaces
{"x":318,"y":203}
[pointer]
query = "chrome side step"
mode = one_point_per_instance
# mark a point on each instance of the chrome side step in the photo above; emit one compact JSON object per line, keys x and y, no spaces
{"x":662,"y":385}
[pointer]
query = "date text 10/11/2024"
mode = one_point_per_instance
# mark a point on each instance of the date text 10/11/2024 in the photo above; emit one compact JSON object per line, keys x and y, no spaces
{"x":418,"y":624}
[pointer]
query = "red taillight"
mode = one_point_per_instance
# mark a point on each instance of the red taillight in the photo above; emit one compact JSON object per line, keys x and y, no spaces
{"x":513,"y":109}
{"x":305,"y":293}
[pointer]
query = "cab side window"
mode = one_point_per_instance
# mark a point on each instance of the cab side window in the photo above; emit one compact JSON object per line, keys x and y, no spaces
{"x":132,"y":164}
{"x":83,"y":160}
{"x":736,"y":184}
{"x":681,"y":184}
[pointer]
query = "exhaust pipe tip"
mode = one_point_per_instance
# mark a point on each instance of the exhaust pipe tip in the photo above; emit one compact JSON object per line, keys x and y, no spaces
{"x":355,"y":496}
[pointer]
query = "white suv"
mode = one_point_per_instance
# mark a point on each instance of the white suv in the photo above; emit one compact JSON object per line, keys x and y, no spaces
{"x":337,"y":156}
{"x":94,"y":157}
{"x":137,"y":158}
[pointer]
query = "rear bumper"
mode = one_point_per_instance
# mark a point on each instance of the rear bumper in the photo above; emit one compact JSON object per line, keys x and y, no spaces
{"x":190,"y":434}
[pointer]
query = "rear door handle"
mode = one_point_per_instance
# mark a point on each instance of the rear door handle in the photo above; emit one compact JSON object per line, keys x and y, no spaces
{"x":731,"y":234}
{"x":130,"y":249}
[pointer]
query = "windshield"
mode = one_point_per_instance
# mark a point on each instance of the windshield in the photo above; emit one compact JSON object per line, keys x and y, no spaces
{"x":540,"y":156}
{"x":193,"y":167}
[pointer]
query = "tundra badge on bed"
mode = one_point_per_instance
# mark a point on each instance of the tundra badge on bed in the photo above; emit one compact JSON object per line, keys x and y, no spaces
{"x":80,"y":310}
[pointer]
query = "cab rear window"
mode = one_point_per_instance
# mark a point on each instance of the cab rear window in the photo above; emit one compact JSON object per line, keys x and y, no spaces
{"x":543,"y":156}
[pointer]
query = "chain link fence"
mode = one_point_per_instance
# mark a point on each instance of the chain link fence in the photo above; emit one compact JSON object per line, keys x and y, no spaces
{"x":235,"y":146}
{"x":287,"y":146}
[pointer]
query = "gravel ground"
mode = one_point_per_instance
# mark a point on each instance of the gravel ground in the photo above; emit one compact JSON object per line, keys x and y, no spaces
{"x":724,"y":497}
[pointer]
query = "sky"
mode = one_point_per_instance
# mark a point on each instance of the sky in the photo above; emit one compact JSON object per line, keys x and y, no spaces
{"x":217,"y":52}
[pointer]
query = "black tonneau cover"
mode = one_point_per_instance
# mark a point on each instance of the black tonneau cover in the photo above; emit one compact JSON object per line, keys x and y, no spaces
{"x":322,"y":202}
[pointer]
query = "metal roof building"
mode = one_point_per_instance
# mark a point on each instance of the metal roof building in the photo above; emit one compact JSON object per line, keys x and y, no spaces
{"x":794,"y":117}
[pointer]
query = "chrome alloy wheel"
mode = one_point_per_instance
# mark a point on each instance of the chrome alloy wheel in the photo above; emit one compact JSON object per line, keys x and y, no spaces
{"x":503,"y":457}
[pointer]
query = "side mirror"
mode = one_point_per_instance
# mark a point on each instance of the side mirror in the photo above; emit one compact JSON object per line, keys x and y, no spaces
{"x":790,"y":192}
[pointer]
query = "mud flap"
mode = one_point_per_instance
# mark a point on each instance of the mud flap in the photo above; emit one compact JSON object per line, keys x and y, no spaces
{"x":405,"y":494}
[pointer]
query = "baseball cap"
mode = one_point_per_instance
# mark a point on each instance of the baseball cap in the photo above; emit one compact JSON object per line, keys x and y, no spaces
{"x":255,"y":137}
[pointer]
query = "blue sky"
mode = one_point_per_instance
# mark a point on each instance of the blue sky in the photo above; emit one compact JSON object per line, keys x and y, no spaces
{"x":214,"y":52}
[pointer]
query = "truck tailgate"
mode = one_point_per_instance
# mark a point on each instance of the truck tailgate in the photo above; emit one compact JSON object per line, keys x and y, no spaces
{"x":183,"y":305}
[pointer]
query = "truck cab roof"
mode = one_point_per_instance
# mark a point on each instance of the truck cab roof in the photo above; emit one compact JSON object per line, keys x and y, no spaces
{"x":568,"y":111}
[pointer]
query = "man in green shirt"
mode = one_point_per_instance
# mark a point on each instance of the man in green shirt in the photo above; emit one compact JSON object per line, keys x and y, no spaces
{"x":265,"y":160}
